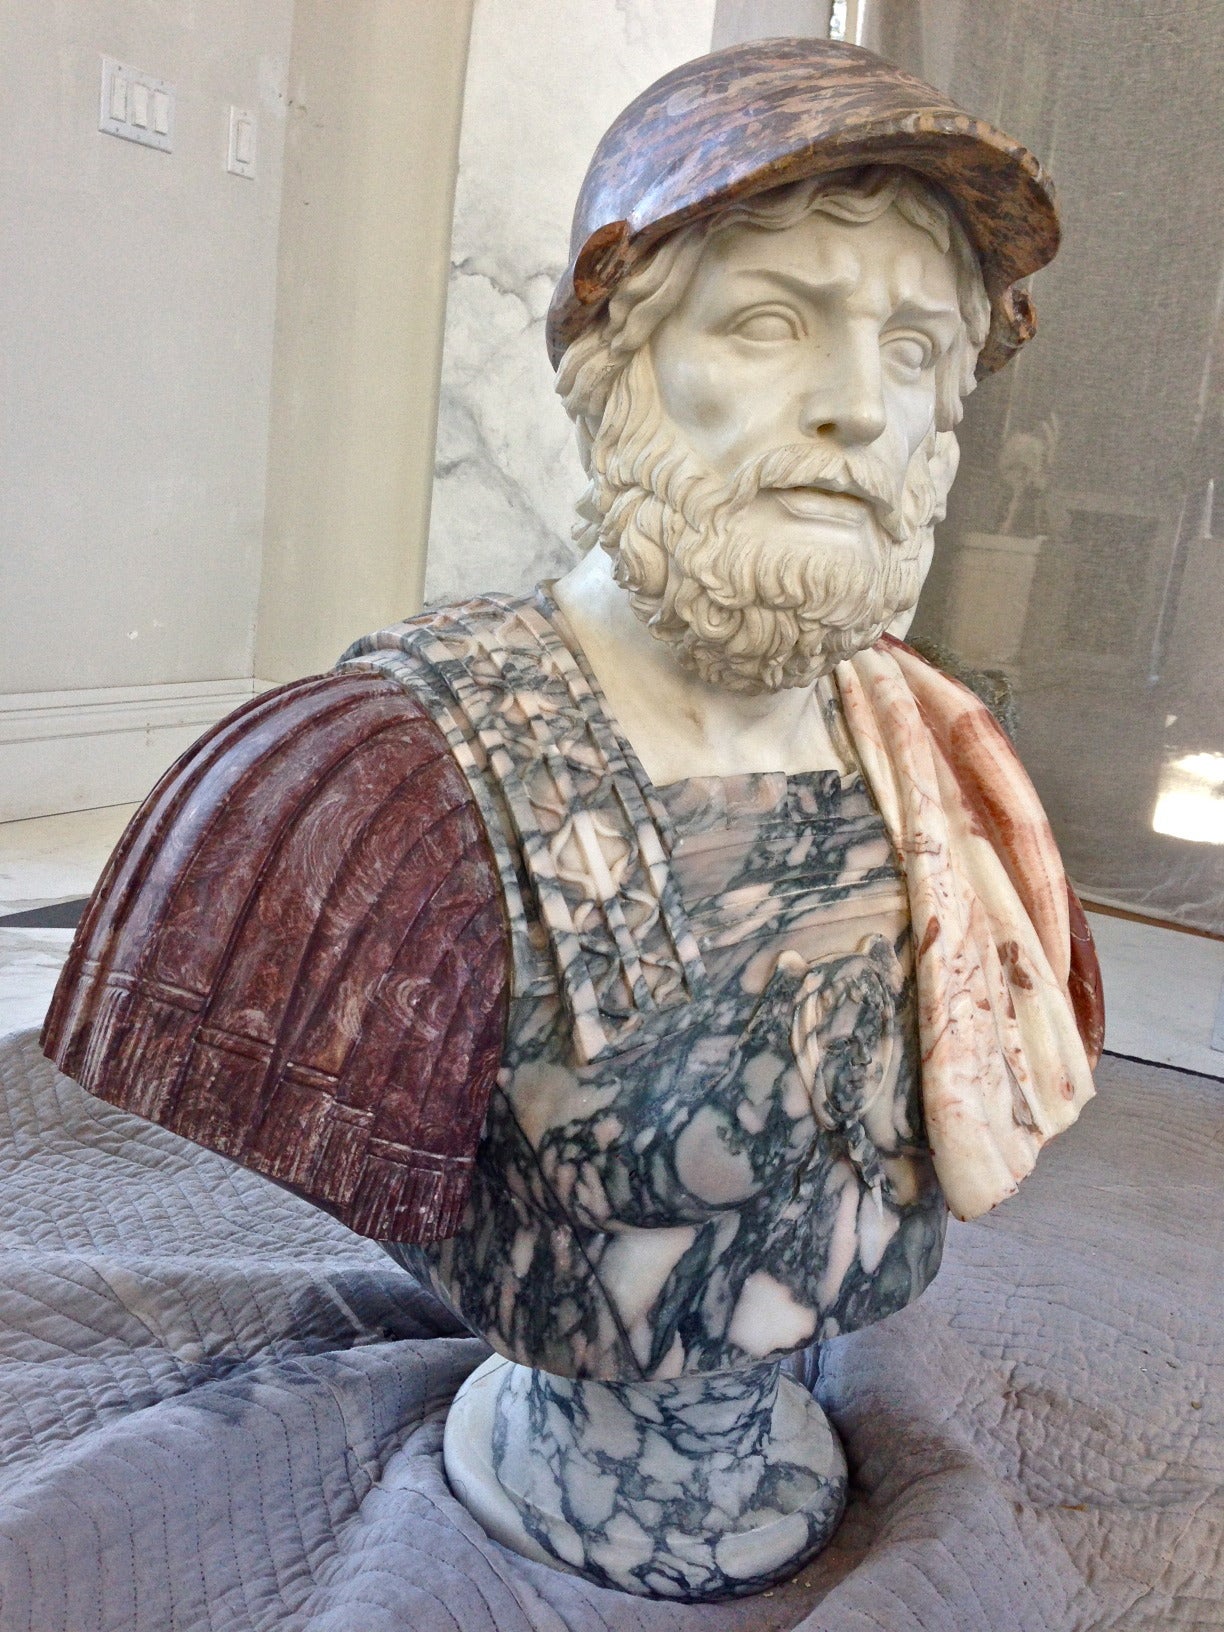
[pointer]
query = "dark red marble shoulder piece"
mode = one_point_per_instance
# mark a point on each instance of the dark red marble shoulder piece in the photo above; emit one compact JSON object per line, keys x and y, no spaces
{"x":298,"y":956}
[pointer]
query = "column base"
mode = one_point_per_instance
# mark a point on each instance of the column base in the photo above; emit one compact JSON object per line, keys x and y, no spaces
{"x":706,"y":1487}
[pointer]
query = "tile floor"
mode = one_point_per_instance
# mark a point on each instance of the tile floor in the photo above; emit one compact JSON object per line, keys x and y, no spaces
{"x":1163,"y":993}
{"x":1162,"y":988}
{"x":42,"y":861}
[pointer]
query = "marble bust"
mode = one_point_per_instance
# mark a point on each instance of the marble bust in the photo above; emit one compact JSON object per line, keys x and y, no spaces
{"x":794,"y":965}
{"x":766,"y":412}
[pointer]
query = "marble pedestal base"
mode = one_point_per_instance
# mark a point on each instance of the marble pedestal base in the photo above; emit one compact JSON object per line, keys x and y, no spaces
{"x":705,"y":1487}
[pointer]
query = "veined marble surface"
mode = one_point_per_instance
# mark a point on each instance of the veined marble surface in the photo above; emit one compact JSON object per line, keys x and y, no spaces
{"x":705,"y":1145}
{"x":735,"y":1184}
{"x":704,"y":1488}
{"x":543,"y":83}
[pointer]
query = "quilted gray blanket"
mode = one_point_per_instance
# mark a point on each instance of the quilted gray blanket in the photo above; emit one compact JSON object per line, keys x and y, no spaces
{"x":220,"y":1410}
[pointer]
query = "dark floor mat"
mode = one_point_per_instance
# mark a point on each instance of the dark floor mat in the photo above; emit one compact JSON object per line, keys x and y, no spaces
{"x":59,"y":915}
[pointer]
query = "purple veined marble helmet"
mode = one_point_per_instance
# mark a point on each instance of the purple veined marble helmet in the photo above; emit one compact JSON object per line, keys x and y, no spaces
{"x":738,"y":122}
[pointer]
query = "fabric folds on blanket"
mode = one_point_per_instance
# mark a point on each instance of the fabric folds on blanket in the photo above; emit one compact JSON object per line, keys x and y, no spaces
{"x":221,"y":1412}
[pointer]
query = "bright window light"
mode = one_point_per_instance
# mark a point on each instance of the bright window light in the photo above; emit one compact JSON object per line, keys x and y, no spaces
{"x":1190,"y":799}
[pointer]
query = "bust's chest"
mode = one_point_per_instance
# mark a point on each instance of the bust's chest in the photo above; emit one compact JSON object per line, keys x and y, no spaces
{"x":769,"y":863}
{"x":799,"y":914}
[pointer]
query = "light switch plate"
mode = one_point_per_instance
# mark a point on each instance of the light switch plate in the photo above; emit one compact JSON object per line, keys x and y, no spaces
{"x":241,"y":159}
{"x":136,"y":106}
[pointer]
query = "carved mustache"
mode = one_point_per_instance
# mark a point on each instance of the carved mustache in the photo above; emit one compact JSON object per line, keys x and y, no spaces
{"x":858,"y":473}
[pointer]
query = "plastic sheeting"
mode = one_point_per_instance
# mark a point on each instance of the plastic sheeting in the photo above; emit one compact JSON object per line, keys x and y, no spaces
{"x":1083,"y":552}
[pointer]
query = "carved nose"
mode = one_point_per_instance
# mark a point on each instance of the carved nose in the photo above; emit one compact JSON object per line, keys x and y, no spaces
{"x":848,"y":405}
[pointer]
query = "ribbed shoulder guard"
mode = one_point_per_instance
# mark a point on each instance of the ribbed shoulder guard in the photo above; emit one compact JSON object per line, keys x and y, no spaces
{"x":298,"y":956}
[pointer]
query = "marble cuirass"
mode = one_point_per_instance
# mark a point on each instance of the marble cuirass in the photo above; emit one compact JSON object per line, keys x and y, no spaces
{"x":705,"y":1147}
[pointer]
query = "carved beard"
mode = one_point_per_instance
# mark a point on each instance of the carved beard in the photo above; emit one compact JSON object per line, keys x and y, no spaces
{"x":746,"y":613}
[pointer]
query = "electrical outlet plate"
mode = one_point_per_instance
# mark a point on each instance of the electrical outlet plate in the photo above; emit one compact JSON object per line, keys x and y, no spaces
{"x":136,"y":106}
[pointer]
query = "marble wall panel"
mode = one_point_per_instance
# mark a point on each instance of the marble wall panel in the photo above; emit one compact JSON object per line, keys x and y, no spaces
{"x":543,"y":83}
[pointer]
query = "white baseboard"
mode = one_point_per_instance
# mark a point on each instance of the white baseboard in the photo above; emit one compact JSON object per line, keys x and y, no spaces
{"x":106,"y":745}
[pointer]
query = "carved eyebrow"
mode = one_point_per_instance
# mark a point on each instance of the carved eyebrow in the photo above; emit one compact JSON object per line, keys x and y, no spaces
{"x":793,"y":283}
{"x":913,"y":308}
{"x":914,"y":305}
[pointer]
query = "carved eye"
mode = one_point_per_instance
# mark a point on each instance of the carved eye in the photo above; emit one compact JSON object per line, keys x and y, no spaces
{"x":767,"y":324}
{"x":908,"y":351}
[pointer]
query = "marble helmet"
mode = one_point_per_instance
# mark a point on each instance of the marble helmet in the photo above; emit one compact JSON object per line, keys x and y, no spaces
{"x":752,"y":117}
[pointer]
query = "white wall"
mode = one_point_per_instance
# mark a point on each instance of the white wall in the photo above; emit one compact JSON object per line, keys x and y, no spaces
{"x":376,"y":88}
{"x":738,"y":20}
{"x":135,"y":343}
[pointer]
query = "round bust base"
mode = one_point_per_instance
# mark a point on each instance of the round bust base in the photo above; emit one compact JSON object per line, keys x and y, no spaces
{"x":705,"y":1487}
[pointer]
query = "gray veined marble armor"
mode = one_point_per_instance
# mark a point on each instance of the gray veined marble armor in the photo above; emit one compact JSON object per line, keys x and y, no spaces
{"x":705,"y":1149}
{"x":737,"y":1166}
{"x":677,"y":1207}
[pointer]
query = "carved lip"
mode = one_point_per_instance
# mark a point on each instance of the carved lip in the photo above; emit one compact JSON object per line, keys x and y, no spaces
{"x":831,"y":503}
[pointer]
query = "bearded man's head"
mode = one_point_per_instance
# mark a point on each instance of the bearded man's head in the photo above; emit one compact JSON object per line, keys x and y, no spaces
{"x":741,"y":608}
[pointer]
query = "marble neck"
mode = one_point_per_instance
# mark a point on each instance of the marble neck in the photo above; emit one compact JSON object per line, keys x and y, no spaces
{"x":679,"y":725}
{"x":727,"y":1413}
{"x":696,"y":1488}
